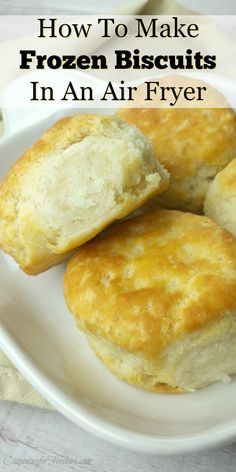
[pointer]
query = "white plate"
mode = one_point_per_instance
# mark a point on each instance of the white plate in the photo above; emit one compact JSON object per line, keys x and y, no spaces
{"x":39,"y":336}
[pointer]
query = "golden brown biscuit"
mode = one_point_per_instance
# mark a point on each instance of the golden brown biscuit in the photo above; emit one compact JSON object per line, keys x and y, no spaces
{"x":156,"y":297}
{"x":220,"y":202}
{"x":193,"y":144}
{"x":84,"y":173}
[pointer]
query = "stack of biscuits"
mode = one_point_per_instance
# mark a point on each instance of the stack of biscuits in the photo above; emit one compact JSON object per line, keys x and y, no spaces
{"x":154,"y":293}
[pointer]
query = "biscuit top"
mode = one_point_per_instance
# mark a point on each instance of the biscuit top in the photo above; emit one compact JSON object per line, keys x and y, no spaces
{"x":226,"y":179}
{"x":199,"y":137}
{"x":150,"y":280}
{"x":193,"y":145}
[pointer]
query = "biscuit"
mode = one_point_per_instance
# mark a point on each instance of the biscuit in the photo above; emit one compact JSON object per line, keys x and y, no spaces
{"x":193,"y":144}
{"x":220,"y":202}
{"x":156,"y":297}
{"x":84,"y":173}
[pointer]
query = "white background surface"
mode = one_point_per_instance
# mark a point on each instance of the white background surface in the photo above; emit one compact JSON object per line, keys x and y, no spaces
{"x":32,"y":433}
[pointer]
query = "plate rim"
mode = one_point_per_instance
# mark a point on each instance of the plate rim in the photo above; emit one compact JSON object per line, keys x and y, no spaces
{"x":105,"y":429}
